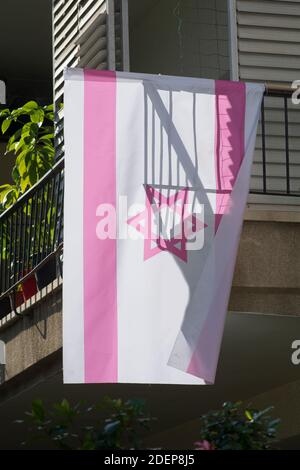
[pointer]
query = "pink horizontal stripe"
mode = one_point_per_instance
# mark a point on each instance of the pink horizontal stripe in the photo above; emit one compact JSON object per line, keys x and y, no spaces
{"x":100,"y":308}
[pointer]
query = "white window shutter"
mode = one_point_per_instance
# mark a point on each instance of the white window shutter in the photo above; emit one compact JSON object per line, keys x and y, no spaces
{"x":268,"y":49}
{"x":87,"y":34}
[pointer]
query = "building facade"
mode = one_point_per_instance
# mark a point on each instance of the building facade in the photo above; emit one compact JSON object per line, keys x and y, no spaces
{"x":220,"y":39}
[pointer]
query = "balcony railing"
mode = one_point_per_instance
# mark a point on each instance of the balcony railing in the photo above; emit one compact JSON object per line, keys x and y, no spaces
{"x":31,"y":235}
{"x":276,"y":168}
{"x":31,"y":231}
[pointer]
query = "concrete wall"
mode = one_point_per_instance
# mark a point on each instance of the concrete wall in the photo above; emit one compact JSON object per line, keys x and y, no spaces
{"x":34,"y":336}
{"x":267,"y":275}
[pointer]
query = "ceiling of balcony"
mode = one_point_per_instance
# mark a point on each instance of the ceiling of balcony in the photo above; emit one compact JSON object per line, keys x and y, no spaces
{"x":139,"y":8}
{"x":26,"y":47}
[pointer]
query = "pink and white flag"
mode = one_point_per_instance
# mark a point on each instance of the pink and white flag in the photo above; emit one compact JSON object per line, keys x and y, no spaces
{"x":157,"y":173}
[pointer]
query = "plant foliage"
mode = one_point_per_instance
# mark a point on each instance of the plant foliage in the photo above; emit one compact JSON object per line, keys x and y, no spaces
{"x":32,"y":142}
{"x":114,"y":424}
{"x":234,"y":428}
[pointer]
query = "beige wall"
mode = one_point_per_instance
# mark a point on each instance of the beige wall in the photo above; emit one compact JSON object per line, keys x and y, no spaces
{"x":267,"y":275}
{"x":34,"y":336}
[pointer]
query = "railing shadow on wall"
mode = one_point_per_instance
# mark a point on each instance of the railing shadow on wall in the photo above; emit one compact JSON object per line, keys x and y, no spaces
{"x":31,"y":231}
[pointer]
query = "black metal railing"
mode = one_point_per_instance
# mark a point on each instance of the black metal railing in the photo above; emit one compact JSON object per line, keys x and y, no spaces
{"x":274,"y":142}
{"x":31,"y":231}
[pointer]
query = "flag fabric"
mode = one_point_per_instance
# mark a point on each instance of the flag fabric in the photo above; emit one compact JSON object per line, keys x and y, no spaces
{"x":157,"y":173}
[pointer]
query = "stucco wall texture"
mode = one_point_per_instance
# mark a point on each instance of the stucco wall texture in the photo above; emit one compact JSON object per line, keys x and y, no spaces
{"x":267,"y":274}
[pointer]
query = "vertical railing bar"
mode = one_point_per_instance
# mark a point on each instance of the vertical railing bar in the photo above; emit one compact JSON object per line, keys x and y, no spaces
{"x":45,"y":218}
{"x":287,"y":151}
{"x":29,"y":247}
{"x":40,"y":225}
{"x":10,"y":249}
{"x":263,"y":134}
{"x":25,"y":266}
{"x":60,"y":215}
{"x":50,"y":217}
{"x":20,"y":264}
{"x":14,"y":263}
{"x":56,"y":212}
{"x":35,"y":259}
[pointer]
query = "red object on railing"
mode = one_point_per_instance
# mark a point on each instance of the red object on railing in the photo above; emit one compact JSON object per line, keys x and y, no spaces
{"x":18,"y":298}
{"x":29,"y":287}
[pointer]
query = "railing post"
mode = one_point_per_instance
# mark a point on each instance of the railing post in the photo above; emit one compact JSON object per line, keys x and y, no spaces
{"x":263,"y":136}
{"x":287,"y":151}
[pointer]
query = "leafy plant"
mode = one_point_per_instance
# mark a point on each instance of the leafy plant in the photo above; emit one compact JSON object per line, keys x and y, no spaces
{"x":122,"y":425}
{"x":234,"y":428}
{"x":32,"y":142}
{"x":69,"y":427}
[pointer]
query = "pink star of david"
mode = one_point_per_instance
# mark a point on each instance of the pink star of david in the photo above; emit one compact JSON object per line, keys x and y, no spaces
{"x":155,"y":242}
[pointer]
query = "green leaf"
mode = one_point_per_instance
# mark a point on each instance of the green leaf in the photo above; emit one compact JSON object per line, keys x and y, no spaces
{"x":5,"y":112}
{"x":37,"y":116}
{"x":46,"y":143}
{"x":16,"y":113}
{"x":47,"y":130}
{"x":4,"y":189}
{"x":65,"y":405}
{"x":49,"y":107}
{"x":10,"y":197}
{"x":30,"y":129}
{"x":21,"y":164}
{"x":15,"y":174}
{"x":25,"y":183}
{"x":47,"y":138}
{"x":13,"y":140}
{"x":248,"y":415}
{"x":29,"y":106}
{"x":33,"y":172}
{"x":43,"y":164}
{"x":38,"y":410}
{"x":4,"y":186}
{"x":47,"y":152}
{"x":19,"y":146}
{"x":5,"y":125}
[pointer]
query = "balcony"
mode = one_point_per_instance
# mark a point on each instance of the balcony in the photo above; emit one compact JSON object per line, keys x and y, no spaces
{"x":31,"y":231}
{"x":276,"y":167}
{"x":31,"y":237}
